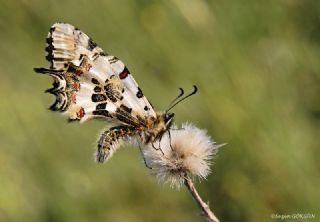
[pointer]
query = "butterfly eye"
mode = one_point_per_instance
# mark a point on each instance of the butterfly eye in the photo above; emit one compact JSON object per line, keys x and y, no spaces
{"x":169,"y":117}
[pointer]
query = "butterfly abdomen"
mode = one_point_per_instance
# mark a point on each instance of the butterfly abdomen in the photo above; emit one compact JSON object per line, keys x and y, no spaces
{"x":110,"y":141}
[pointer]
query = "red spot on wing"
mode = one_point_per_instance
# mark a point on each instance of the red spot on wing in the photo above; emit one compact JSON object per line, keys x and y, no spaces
{"x":81,"y":112}
{"x":124,"y":73}
{"x":73,"y":98}
{"x":78,"y":72}
{"x":76,"y":86}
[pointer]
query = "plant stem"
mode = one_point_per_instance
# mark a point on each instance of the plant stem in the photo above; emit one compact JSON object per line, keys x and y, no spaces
{"x":206,"y":212}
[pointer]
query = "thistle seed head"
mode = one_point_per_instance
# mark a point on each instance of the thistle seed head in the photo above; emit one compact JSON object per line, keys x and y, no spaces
{"x":186,"y":151}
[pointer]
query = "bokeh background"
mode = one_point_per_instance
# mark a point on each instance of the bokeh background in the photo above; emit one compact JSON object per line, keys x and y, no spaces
{"x":257,"y":67}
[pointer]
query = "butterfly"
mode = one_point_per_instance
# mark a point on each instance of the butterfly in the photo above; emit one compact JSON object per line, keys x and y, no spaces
{"x":89,"y":83}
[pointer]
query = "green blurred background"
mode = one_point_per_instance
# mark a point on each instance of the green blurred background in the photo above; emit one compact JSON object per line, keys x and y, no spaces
{"x":257,"y":67}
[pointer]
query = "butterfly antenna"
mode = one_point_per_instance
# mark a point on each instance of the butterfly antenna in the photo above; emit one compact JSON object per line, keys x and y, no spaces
{"x":195,"y":89}
{"x":175,"y":99}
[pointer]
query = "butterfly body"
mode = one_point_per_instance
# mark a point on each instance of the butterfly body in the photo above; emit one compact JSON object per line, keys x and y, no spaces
{"x":89,"y":83}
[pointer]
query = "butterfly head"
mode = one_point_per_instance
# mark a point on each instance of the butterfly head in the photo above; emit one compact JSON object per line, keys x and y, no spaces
{"x":168,"y":119}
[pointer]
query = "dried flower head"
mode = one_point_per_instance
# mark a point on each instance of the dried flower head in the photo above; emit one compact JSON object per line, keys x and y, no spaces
{"x":187,"y":150}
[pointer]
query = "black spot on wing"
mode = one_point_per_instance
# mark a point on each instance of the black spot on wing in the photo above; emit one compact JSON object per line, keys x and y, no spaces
{"x":146,"y":108}
{"x":71,"y":69}
{"x":54,"y":106}
{"x":49,"y":57}
{"x":102,"y":113}
{"x":139,"y":93}
{"x":60,"y":103}
{"x":95,"y":81}
{"x":50,"y":39}
{"x":52,"y":29}
{"x":91,"y":44}
{"x":97,"y":89}
{"x":98,"y":97}
{"x":101,"y":106}
{"x":50,"y":46}
{"x":56,"y":84}
{"x":110,"y":92}
{"x":113,"y":59}
{"x":57,"y":59}
{"x":125,"y":108}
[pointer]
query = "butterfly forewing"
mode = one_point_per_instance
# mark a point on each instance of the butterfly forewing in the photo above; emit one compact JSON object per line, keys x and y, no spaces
{"x":88,"y":82}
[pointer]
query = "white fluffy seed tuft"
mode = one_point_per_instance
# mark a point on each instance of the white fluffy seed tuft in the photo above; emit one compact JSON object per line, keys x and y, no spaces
{"x":190,"y":153}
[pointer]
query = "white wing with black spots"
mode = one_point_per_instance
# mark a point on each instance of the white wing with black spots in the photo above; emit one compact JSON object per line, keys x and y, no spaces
{"x":65,"y":44}
{"x":90,"y":82}
{"x":108,"y":67}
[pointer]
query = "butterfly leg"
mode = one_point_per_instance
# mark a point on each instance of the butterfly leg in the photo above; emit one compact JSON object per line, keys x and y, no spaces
{"x":109,"y":141}
{"x":157,"y":148}
{"x":144,"y":159}
{"x":169,"y":135}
